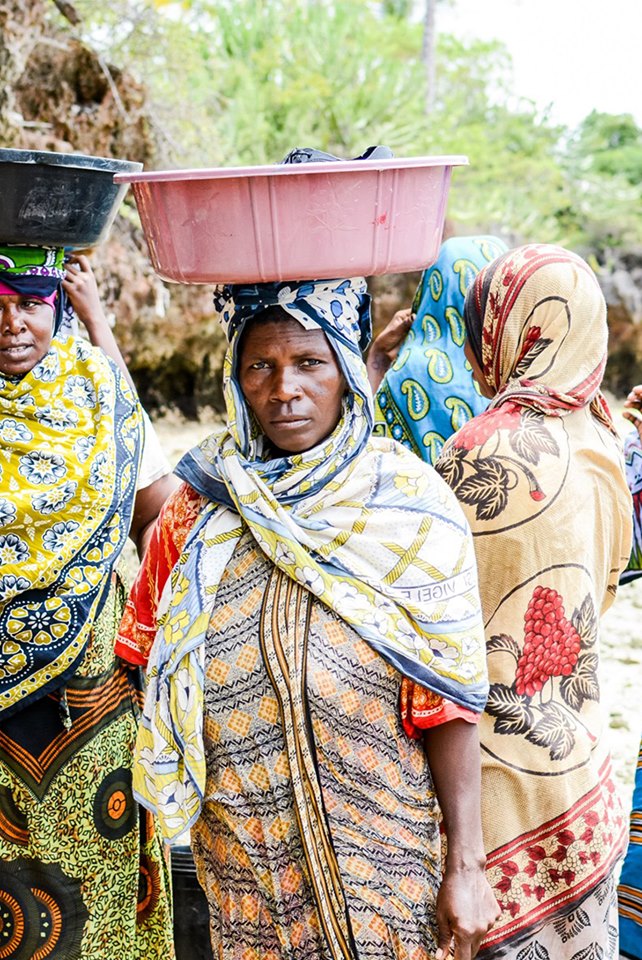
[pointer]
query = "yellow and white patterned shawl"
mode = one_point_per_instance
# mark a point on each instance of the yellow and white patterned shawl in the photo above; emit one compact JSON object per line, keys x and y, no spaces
{"x":360,"y":522}
{"x":70,"y":440}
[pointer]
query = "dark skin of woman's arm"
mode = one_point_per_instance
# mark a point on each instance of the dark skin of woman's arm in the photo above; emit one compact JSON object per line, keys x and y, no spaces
{"x":466,"y":905}
{"x":147,"y":506}
{"x":384,"y":348}
{"x":82,"y":290}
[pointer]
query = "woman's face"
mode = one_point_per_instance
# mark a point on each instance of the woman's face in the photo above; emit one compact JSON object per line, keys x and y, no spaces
{"x":484,"y":387}
{"x":26,"y":329}
{"x":291,"y":379}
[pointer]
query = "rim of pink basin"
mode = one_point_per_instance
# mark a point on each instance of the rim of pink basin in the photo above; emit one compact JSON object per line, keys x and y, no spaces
{"x":290,"y":170}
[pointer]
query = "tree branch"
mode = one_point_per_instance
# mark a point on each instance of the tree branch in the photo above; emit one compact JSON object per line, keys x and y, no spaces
{"x":68,"y":11}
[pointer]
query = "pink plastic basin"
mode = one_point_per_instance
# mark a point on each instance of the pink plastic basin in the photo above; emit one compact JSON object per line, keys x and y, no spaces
{"x":300,"y":221}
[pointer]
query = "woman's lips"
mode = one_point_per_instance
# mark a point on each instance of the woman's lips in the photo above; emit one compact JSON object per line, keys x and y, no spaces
{"x":16,"y":350}
{"x":290,"y":422}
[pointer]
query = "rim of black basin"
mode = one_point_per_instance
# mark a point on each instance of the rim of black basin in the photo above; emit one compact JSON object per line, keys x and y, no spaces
{"x":78,"y":160}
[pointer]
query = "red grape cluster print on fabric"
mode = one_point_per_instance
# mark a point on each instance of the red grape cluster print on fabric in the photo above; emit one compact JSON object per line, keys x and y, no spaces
{"x":555,"y":673}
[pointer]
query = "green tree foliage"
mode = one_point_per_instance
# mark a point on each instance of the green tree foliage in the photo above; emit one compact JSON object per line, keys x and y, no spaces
{"x":612,"y":144}
{"x":244,"y":81}
{"x":514,"y":179}
{"x":398,"y":8}
{"x":603,"y":172}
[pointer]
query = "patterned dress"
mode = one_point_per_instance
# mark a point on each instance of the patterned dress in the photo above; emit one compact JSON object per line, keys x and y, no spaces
{"x":319,"y":830}
{"x":69,"y":827}
{"x":258,"y":867}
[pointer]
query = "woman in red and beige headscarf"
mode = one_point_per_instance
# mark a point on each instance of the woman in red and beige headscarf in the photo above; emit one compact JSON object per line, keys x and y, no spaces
{"x":540,"y":477}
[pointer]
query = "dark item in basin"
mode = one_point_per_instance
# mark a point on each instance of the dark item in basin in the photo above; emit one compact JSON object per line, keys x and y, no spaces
{"x":191,"y":914}
{"x":59,"y":199}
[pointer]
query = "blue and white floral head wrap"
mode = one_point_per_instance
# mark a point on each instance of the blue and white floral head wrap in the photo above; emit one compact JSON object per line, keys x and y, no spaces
{"x":359,"y":522}
{"x":341,"y":308}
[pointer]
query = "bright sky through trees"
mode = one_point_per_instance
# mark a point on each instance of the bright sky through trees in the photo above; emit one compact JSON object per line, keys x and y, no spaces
{"x":577,"y":55}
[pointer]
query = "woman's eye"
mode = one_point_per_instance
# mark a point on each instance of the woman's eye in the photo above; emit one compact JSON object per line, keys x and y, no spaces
{"x":311,"y":362}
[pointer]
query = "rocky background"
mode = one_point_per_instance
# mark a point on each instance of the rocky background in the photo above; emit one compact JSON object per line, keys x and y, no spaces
{"x":57,"y":94}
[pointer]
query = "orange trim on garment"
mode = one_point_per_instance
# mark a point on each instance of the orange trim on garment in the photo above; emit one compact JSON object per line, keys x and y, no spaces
{"x":422,"y":709}
{"x":138,"y":626}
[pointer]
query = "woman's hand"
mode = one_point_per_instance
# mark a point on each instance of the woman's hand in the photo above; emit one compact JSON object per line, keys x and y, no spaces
{"x":466,"y":906}
{"x":466,"y":911}
{"x":81,"y":288}
{"x":633,"y":408}
{"x":384,"y":349}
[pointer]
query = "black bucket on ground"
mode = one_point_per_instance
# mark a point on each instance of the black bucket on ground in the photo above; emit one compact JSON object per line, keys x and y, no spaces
{"x":191,"y":916}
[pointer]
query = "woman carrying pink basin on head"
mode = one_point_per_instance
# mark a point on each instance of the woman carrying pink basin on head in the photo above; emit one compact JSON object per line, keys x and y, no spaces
{"x":304,"y":573}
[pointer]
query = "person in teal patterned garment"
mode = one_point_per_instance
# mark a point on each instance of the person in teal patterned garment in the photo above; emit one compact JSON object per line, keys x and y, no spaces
{"x":428,"y":393}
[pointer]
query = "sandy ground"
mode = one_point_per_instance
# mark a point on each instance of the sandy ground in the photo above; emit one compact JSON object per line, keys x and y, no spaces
{"x":621,"y":637}
{"x":621,"y":675}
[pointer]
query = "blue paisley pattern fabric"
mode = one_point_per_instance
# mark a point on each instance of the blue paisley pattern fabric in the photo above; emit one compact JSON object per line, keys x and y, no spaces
{"x":429,"y":392}
{"x":70,"y":441}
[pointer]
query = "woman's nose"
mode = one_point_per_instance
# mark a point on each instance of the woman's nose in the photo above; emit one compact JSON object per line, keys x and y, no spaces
{"x":285,"y":385}
{"x":11,"y":320}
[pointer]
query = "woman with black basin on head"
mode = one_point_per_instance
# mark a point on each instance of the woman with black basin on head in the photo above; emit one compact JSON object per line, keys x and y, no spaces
{"x":300,"y":573}
{"x":82,"y":872}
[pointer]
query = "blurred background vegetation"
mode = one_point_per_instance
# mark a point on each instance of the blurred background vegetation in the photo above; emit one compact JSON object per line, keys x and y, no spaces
{"x":181,"y":83}
{"x":243,"y":81}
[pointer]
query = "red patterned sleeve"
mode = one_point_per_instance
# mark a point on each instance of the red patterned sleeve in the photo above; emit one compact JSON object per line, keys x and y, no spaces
{"x":422,"y":709}
{"x":138,"y":626}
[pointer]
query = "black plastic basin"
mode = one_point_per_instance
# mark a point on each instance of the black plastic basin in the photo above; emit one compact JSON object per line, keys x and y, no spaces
{"x":59,"y":199}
